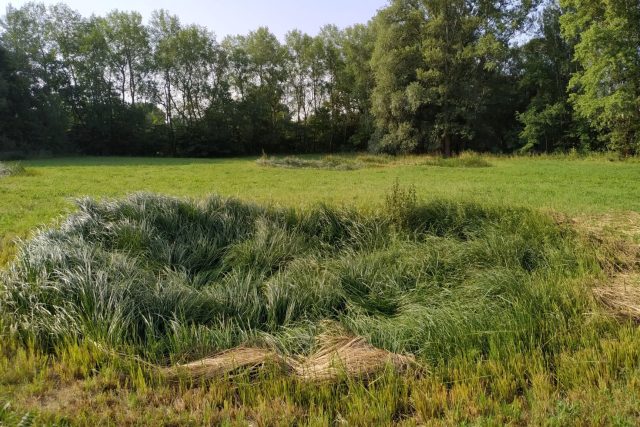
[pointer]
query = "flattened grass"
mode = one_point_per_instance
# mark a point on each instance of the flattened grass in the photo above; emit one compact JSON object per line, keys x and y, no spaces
{"x":493,"y":302}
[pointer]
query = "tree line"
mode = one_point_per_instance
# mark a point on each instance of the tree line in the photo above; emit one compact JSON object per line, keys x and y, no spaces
{"x":421,"y":76}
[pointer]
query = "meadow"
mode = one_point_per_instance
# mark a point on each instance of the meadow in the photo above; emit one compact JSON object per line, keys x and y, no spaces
{"x":561,"y":184}
{"x":506,"y":286}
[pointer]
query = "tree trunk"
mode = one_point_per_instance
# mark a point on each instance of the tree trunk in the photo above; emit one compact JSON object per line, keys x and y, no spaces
{"x":447,"y":146}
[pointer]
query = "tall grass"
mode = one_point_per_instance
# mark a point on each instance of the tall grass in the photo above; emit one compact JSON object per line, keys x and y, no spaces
{"x":330,"y":162}
{"x":465,"y":160}
{"x":176,"y":279}
{"x":11,"y":169}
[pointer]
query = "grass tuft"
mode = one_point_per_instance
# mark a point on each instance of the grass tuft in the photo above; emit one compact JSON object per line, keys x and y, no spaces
{"x":464,"y":160}
{"x":338,"y":163}
{"x":11,"y":169}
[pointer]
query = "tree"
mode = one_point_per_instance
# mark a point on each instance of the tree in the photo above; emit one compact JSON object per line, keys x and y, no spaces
{"x":422,"y":76}
{"x":357,"y":82}
{"x":434,"y":62}
{"x":16,"y":104}
{"x":547,"y":64}
{"x":606,"y":87}
{"x":258,"y":82}
{"x":163,"y":30}
{"x":130,"y":53}
{"x":65,"y":30}
{"x":32,"y":70}
{"x":298,"y":47}
{"x":396,"y":59}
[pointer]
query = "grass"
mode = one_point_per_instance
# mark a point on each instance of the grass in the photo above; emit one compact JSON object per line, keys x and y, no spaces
{"x":11,"y":169}
{"x":465,"y":160}
{"x":327,"y":162}
{"x":171,"y":278}
{"x":337,"y":163}
{"x":574,"y":186}
{"x":493,"y":298}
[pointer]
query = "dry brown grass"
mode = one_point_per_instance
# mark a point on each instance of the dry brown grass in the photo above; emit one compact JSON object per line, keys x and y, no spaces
{"x":623,"y":225}
{"x":617,"y":236}
{"x":337,"y":356}
{"x":350,"y":356}
{"x":621,"y":295}
{"x":240,"y":359}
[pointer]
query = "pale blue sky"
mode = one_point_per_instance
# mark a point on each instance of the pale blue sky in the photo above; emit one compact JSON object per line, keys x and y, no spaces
{"x":225,"y":17}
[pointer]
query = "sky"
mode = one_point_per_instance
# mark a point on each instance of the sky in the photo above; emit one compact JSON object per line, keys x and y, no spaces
{"x":231,"y":17}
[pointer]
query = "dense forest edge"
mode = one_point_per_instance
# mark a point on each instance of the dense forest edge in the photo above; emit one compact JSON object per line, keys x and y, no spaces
{"x":423,"y":76}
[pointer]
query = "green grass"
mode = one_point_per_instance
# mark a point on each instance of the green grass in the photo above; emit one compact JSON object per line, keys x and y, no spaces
{"x":327,"y":162}
{"x":571,"y":186}
{"x":464,"y":270}
{"x":337,"y":163}
{"x":170,"y":278}
{"x":483,"y":296}
{"x":465,"y":160}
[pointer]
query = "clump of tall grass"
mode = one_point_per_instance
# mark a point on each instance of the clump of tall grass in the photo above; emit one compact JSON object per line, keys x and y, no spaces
{"x":464,"y":160}
{"x":11,"y":169}
{"x":177,"y":279}
{"x":326,"y":162}
{"x":375,"y":159}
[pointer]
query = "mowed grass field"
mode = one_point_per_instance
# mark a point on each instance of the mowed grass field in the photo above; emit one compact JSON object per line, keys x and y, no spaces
{"x":510,"y":293}
{"x":571,"y":186}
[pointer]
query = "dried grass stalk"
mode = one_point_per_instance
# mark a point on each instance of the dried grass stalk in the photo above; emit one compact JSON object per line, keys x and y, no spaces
{"x":240,"y":359}
{"x":336,"y":357}
{"x":621,"y":295}
{"x":349,"y":356}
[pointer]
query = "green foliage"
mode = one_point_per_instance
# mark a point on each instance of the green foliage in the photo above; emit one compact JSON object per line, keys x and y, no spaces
{"x":110,"y":85}
{"x":549,"y":120}
{"x":606,"y":88}
{"x":437,"y":65}
{"x":422,"y":76}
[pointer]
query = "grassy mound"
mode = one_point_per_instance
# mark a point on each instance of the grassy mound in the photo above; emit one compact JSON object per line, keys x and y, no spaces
{"x":11,"y":169}
{"x":326,"y":162}
{"x":465,"y":160}
{"x":175,"y":280}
